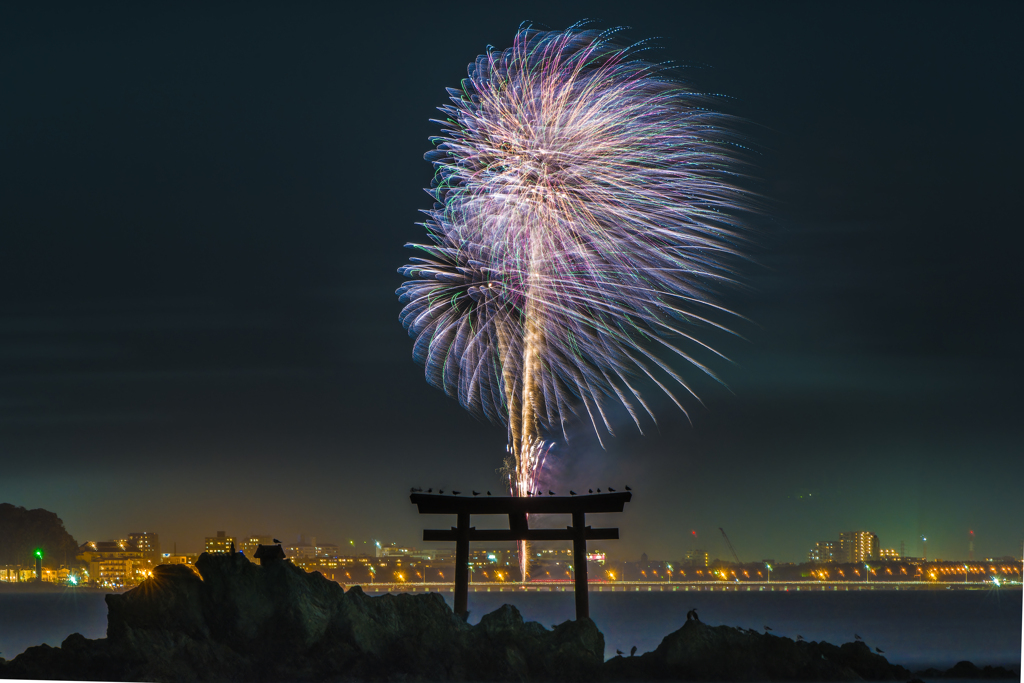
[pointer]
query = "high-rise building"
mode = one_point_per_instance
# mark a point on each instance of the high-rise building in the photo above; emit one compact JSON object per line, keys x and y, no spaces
{"x":823,"y":551}
{"x":147,"y":543}
{"x":221,"y":543}
{"x":857,"y":546}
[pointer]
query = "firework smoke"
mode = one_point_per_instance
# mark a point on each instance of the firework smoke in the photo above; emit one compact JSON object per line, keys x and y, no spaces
{"x":586,"y":206}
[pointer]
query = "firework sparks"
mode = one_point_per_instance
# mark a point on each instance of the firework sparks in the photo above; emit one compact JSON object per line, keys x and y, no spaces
{"x":586,"y":206}
{"x":520,"y":472}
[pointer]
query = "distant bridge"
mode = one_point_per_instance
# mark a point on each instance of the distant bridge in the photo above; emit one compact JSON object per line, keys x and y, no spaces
{"x":680,"y":586}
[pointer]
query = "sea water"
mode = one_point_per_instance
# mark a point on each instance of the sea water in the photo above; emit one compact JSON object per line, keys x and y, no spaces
{"x":917,"y":629}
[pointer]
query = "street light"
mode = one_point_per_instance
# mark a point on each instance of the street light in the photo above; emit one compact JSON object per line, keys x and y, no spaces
{"x":769,"y":567}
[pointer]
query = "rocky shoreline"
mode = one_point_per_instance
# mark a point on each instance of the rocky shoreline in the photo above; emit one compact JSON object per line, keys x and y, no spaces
{"x":237,"y":621}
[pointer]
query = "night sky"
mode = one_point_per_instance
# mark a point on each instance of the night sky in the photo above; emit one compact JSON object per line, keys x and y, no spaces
{"x":202,"y":212}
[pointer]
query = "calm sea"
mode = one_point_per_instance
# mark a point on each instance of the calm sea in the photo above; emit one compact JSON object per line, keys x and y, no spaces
{"x":915,"y":628}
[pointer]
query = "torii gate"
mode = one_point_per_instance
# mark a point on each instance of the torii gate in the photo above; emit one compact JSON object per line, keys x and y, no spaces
{"x":517,"y":510}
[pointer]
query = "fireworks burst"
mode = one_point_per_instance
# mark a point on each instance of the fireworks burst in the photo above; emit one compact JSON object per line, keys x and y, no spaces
{"x":586,"y":207}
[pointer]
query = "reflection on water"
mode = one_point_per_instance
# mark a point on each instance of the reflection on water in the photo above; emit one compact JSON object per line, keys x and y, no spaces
{"x":28,"y":619}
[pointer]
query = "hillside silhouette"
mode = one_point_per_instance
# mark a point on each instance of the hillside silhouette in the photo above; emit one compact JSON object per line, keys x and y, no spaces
{"x":23,"y":531}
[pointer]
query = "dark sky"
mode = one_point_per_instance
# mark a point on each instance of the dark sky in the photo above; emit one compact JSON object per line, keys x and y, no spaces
{"x":203,"y":211}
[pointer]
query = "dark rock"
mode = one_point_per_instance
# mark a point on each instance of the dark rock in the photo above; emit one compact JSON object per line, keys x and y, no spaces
{"x":234,"y":620}
{"x":967,"y":669}
{"x":698,"y":652}
{"x":999,"y":672}
{"x":963,"y":669}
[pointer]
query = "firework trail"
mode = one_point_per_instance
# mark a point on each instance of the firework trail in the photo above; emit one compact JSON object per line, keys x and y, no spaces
{"x":586,"y":207}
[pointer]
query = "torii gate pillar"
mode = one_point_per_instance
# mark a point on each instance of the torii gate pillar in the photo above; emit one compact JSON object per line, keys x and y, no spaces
{"x":579,"y":561}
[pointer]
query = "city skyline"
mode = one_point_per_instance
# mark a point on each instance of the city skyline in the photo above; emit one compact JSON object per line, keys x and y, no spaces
{"x":714,"y":547}
{"x":205,"y":213}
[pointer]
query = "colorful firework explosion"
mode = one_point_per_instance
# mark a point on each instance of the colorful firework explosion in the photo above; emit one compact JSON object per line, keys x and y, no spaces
{"x":586,"y":208}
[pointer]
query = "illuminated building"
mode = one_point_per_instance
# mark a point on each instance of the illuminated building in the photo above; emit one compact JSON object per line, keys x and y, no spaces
{"x":501,"y":557}
{"x":888,"y":554}
{"x":14,"y":573}
{"x":112,"y":563}
{"x":221,"y":543}
{"x":251,"y":543}
{"x":146,"y":543}
{"x":327,"y":550}
{"x":824,"y":551}
{"x":697,"y":558}
{"x":311,"y":549}
{"x":857,"y":546}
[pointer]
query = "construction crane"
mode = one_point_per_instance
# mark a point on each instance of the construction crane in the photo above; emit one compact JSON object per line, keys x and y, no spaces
{"x":729,"y":543}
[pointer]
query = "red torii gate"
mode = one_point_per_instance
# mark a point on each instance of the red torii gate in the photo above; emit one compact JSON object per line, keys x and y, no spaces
{"x":517,"y":510}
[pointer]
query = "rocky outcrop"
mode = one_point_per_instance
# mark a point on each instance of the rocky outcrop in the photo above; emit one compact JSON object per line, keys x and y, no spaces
{"x":235,"y":621}
{"x":698,"y":652}
{"x":970,"y":670}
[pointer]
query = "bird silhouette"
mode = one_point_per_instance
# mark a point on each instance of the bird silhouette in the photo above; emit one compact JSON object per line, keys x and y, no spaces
{"x":611,"y":489}
{"x":430,"y":490}
{"x":628,"y":489}
{"x":880,"y":651}
{"x":551,"y":493}
{"x":571,"y":492}
{"x":856,"y":637}
{"x":599,"y":490}
{"x":455,"y":493}
{"x":476,"y":493}
{"x":488,"y":493}
{"x":632,"y":651}
{"x":619,"y":652}
{"x":767,"y":628}
{"x":590,"y":490}
{"x":276,"y":541}
{"x":440,"y":490}
{"x":529,"y":493}
{"x":412,"y":490}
